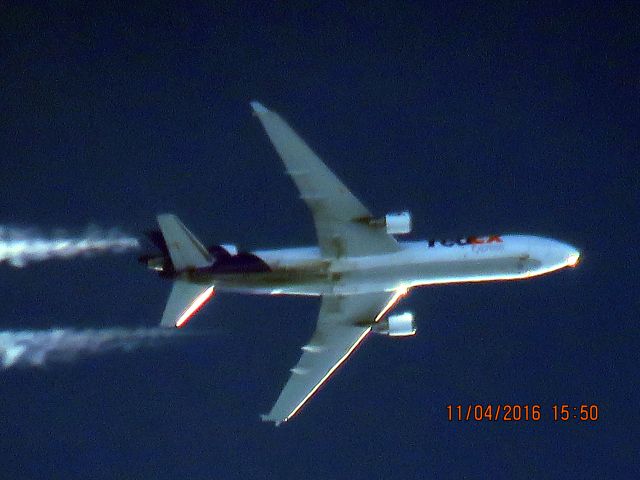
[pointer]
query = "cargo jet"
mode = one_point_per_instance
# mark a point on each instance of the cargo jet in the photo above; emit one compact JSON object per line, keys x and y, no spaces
{"x":359,"y":269}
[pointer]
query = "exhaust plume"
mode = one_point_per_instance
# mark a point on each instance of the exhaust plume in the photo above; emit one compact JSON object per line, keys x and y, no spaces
{"x":20,"y":246}
{"x":37,"y":348}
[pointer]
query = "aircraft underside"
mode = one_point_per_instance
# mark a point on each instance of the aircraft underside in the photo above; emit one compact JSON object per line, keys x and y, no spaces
{"x":358,"y":267}
{"x":384,"y":278}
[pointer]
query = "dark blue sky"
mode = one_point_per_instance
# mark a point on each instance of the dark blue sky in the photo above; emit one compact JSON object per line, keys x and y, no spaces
{"x":478,"y":119}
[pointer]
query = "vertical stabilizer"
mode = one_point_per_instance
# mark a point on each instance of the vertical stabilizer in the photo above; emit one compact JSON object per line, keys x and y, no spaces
{"x":185,"y":250}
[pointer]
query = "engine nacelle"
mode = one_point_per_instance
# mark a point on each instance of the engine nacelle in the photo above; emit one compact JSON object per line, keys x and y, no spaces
{"x":154,"y":262}
{"x":401,"y":325}
{"x":157,"y":263}
{"x":398,"y":223}
{"x":231,"y":249}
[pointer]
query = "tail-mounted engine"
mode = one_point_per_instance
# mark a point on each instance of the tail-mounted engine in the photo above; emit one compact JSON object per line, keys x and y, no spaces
{"x":401,"y":325}
{"x":162,"y":264}
{"x":159,"y":263}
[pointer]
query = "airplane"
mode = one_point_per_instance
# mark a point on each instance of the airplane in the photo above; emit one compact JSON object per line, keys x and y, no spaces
{"x":359,"y":269}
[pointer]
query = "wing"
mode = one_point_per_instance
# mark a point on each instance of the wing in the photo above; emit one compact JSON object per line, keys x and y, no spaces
{"x":341,"y":220}
{"x":342,"y":324}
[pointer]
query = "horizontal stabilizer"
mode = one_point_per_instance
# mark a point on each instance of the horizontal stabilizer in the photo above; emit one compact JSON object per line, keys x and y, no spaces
{"x":185,"y":250}
{"x":185,"y":300}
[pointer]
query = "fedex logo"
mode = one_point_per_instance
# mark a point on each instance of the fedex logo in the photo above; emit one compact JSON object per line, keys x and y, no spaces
{"x":466,"y":241}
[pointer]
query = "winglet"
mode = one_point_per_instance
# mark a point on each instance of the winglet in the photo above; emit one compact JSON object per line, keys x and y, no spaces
{"x":258,"y":107}
{"x":267,"y":418}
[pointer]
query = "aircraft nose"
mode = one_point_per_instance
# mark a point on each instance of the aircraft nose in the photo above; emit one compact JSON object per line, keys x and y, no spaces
{"x":573,"y":258}
{"x":562,"y":255}
{"x":569,"y":255}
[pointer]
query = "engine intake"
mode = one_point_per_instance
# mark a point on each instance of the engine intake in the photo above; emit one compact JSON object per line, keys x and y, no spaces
{"x":398,"y":223}
{"x":401,"y":325}
{"x":231,"y":249}
{"x":394,"y":223}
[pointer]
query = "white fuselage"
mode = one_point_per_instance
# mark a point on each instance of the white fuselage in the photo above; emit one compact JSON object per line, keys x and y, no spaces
{"x":303,"y":271}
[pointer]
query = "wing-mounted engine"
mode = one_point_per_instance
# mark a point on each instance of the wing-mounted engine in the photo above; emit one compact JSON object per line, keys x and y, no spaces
{"x":394,"y":223}
{"x":401,"y":325}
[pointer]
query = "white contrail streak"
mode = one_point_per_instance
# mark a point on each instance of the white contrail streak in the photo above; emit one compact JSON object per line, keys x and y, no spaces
{"x":20,"y":246}
{"x":37,"y":348}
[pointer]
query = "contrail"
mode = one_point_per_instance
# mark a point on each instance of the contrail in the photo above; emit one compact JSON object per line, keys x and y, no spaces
{"x":20,"y":246}
{"x":37,"y":348}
